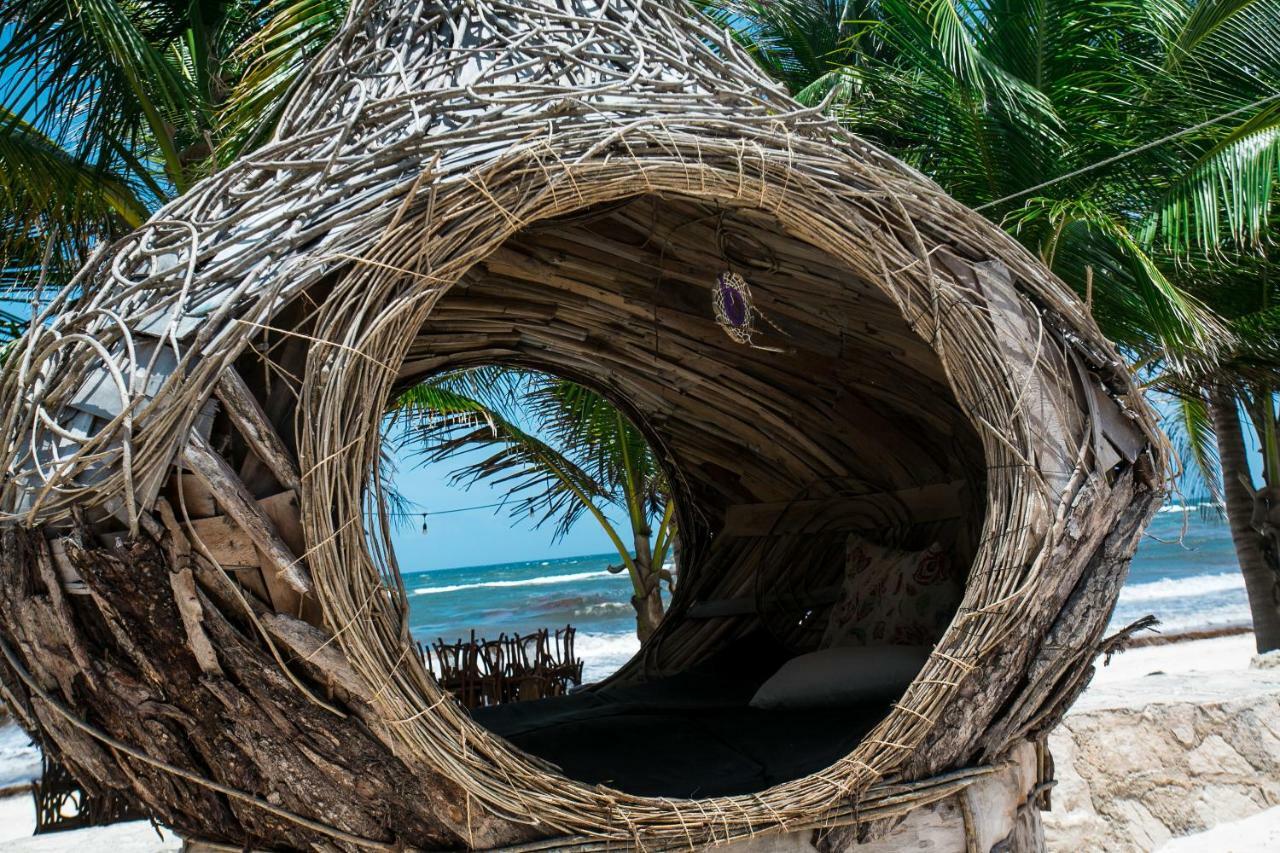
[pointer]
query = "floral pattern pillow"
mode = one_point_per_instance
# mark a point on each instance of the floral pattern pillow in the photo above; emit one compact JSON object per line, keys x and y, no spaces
{"x":893,"y":597}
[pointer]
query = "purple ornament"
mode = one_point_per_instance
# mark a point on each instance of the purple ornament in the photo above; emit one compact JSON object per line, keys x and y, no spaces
{"x":731,"y":303}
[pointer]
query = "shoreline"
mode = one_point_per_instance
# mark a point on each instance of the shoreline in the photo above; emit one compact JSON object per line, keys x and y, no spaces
{"x":1159,"y":639}
{"x":1217,"y":649}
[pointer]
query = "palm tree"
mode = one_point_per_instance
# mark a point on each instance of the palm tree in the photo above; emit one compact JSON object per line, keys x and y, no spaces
{"x":1133,"y":145}
{"x":1213,"y":406}
{"x":561,"y":452}
{"x":109,"y":108}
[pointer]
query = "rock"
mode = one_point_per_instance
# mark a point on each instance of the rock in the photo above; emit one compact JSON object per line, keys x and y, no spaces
{"x":1150,"y":759}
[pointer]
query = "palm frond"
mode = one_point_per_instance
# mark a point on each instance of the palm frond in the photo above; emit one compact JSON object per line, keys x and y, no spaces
{"x":270,"y":60}
{"x":1190,"y":429}
{"x":39,"y":176}
{"x":1227,"y":192}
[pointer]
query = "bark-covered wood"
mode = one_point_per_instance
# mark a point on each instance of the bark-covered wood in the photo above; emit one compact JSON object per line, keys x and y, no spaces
{"x":1259,"y":564}
{"x":246,"y":727}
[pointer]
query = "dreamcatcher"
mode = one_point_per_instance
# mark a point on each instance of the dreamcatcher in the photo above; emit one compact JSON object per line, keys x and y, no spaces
{"x":735,"y":308}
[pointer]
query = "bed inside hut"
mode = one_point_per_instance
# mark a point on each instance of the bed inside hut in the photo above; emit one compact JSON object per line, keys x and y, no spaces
{"x":829,"y":488}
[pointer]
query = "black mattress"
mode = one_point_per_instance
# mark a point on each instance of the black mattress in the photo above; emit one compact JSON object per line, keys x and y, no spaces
{"x":688,"y":735}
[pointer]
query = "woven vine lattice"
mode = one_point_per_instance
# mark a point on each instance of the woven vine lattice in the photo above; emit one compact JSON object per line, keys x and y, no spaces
{"x":420,"y":141}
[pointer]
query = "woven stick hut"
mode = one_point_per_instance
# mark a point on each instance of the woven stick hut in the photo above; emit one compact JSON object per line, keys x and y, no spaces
{"x":199,"y":606}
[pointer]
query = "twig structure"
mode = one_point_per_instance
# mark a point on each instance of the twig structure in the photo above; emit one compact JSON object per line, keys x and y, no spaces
{"x":199,"y":603}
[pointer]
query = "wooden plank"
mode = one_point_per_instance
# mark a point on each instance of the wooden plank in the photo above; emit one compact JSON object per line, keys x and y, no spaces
{"x":317,"y":650}
{"x":237,"y":503}
{"x":226,"y":542}
{"x":72,"y":583}
{"x":1120,"y":431}
{"x":286,"y":514}
{"x":183,"y":584}
{"x":197,"y":501}
{"x":926,"y":503}
{"x":252,"y":422}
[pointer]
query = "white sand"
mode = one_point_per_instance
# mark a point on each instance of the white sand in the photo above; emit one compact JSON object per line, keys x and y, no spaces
{"x":1192,"y":656}
{"x":18,"y":820}
{"x":1253,"y":835}
{"x":1257,"y":834}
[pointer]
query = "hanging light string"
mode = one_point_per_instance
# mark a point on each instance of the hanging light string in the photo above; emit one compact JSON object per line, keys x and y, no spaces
{"x":425,"y":513}
{"x":415,"y":514}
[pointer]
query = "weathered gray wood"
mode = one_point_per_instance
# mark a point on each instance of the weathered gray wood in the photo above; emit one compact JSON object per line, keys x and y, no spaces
{"x":252,"y":422}
{"x":71,"y":583}
{"x":196,"y":500}
{"x":285,"y":515}
{"x":236,"y":501}
{"x":317,"y":651}
{"x":226,"y":542}
{"x":183,"y":584}
{"x":66,"y":620}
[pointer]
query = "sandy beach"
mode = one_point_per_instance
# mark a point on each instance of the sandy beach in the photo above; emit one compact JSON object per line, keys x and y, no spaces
{"x":1187,"y":661}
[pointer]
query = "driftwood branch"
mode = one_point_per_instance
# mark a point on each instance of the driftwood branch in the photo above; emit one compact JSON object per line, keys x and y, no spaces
{"x":252,"y":422}
{"x":237,"y":503}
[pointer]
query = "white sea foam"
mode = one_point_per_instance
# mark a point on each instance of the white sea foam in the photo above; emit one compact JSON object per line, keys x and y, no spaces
{"x":19,"y":757}
{"x":1188,"y":507}
{"x":602,"y":607}
{"x":544,"y":580}
{"x":1199,"y":620}
{"x":602,"y":654}
{"x":1167,"y":588}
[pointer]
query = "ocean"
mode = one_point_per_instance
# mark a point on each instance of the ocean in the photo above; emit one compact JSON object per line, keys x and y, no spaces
{"x":1184,"y":572}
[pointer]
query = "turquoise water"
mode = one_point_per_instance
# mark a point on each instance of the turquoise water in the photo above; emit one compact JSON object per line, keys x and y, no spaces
{"x":1189,"y":584}
{"x":1184,"y":572}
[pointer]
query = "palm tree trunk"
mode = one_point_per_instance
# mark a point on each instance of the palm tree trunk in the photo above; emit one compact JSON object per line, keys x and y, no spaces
{"x":1254,"y":549}
{"x":648,"y":598}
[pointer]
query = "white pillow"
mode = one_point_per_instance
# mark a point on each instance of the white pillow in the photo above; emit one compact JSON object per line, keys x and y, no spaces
{"x":846,"y":675}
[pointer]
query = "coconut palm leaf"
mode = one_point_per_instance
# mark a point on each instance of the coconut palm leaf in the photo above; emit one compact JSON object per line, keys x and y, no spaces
{"x":559,"y":450}
{"x":108,"y":71}
{"x":269,"y":61}
{"x":812,"y":46}
{"x":38,"y":175}
{"x":541,"y":482}
{"x":1155,"y":317}
{"x":1227,"y":192}
{"x":1190,"y":429}
{"x":11,"y":326}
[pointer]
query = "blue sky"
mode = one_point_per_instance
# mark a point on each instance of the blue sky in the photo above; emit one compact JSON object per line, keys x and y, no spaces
{"x":479,"y":537}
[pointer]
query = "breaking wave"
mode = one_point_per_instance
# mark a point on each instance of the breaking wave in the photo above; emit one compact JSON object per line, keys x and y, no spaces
{"x":544,"y":580}
{"x":1167,"y":588}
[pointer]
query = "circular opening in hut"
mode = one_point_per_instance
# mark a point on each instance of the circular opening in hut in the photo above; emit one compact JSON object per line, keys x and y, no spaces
{"x":533,"y":462}
{"x":828,"y":484}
